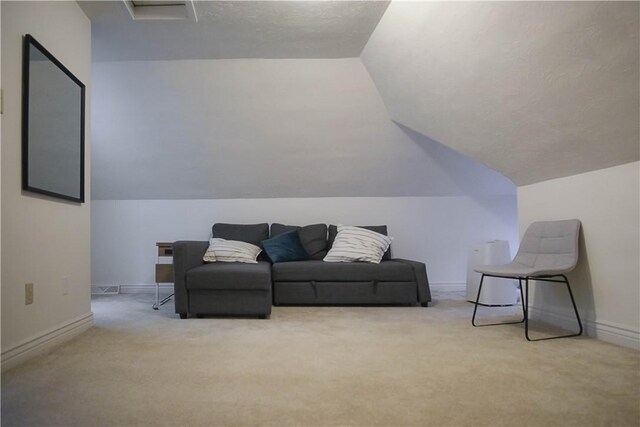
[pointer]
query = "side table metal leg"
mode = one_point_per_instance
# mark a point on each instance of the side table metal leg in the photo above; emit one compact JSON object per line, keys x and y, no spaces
{"x":165,"y":300}
{"x":164,"y":271}
{"x":157,"y":303}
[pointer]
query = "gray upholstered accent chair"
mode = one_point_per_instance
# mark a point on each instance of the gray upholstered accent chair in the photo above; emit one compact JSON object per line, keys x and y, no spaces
{"x":549,"y":249}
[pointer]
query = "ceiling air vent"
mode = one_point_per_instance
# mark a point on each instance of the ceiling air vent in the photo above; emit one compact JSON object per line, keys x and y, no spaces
{"x":159,"y":10}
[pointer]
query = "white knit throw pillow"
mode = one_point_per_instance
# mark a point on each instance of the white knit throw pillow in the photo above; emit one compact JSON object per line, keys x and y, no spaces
{"x":358,"y":244}
{"x":231,"y":251}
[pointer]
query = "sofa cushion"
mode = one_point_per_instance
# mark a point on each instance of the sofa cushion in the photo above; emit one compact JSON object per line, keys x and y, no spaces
{"x":250,"y":233}
{"x":382,"y":229}
{"x":356,"y":244}
{"x":320,"y":271}
{"x":341,"y":293}
{"x":313,"y":237}
{"x":230,"y":276}
{"x":285,"y":247}
{"x":221,"y":250}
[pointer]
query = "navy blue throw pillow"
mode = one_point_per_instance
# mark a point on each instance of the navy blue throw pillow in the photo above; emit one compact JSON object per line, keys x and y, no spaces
{"x":285,"y":247}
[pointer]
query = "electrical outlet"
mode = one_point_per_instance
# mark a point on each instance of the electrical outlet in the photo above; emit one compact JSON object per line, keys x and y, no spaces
{"x":28,"y":293}
{"x":65,"y":285}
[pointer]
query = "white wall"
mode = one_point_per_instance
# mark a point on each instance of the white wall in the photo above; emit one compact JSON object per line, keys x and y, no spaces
{"x":43,"y":239}
{"x":179,"y":145}
{"x":258,"y":128}
{"x":1,"y":116}
{"x":606,"y":282}
{"x":436,"y":230}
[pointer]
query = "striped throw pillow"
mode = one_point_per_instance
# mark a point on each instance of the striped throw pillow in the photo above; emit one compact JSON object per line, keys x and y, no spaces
{"x":231,"y":251}
{"x":358,"y":244}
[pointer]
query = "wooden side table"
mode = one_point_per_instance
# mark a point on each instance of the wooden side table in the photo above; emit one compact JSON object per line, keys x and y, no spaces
{"x":164,"y":271}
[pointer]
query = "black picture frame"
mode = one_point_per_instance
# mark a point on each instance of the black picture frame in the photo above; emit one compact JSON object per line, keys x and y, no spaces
{"x":63,"y":152}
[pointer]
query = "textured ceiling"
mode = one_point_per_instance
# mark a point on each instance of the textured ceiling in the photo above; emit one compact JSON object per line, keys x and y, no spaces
{"x":236,"y":29}
{"x":534,"y":90}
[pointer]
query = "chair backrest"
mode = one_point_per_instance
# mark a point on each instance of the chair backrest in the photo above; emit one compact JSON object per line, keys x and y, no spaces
{"x":550,"y":246}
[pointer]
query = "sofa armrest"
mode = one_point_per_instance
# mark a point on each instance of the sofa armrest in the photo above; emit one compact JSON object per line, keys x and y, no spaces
{"x":186,"y":255}
{"x":420,"y":271}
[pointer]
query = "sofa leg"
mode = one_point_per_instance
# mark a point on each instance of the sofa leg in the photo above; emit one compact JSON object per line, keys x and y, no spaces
{"x":424,"y":304}
{"x":183,"y":315}
{"x":264,"y":316}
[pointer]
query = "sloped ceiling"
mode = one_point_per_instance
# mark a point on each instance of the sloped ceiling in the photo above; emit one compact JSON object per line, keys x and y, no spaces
{"x":236,"y":29}
{"x":258,"y":99}
{"x":534,"y":90}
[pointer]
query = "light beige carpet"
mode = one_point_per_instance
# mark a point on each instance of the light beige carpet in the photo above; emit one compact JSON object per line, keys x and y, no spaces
{"x":320,"y":366}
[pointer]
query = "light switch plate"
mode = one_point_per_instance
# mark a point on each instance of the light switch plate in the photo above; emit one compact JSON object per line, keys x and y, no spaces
{"x":28,"y":293}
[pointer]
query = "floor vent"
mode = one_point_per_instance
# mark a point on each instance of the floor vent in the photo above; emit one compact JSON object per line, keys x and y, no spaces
{"x":105,"y":290}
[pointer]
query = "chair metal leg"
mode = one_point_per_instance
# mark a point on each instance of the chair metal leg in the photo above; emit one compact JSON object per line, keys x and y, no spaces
{"x":526,"y":304}
{"x":575,"y":309}
{"x":524,"y":307}
{"x":475,"y":308}
{"x":524,"y":298}
{"x":573,"y":302}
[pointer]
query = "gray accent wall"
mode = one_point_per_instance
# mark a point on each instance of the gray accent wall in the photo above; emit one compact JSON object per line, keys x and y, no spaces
{"x":257,"y":128}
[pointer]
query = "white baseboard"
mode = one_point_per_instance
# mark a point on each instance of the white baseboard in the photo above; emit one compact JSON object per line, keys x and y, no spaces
{"x":605,"y":331}
{"x":165,"y":288}
{"x":168,"y":288}
{"x":143,"y":288}
{"x":44,"y":342}
{"x":448,"y":287}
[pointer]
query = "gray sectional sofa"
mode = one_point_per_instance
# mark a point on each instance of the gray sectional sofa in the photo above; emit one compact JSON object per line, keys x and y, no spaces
{"x":250,"y":289}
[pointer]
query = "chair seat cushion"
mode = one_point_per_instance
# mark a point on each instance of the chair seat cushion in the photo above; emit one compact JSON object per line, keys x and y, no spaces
{"x":320,"y":271}
{"x":230,"y":276}
{"x":514,"y":269}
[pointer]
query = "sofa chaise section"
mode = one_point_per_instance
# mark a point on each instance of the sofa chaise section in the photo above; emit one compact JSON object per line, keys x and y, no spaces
{"x":222,"y":288}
